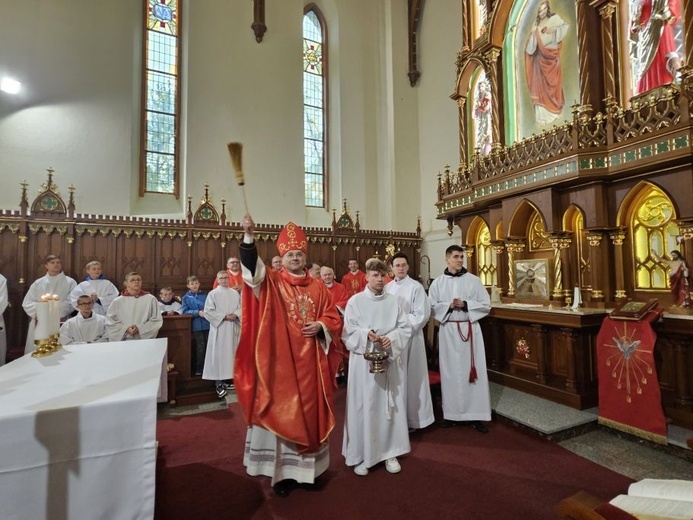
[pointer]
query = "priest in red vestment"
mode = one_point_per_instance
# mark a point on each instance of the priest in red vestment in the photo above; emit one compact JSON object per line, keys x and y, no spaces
{"x":340,"y":295}
{"x":286,"y":364}
{"x":354,"y":280}
{"x":233,"y":267}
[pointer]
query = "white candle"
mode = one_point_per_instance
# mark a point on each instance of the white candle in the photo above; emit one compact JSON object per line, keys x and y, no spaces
{"x":42,"y":330}
{"x":54,"y":326}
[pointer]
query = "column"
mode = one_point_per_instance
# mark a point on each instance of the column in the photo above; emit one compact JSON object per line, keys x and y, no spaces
{"x":498,"y":248}
{"x":617,"y":237}
{"x":492,"y":73}
{"x":540,"y":336}
{"x":513,"y":247}
{"x":469,"y":253}
{"x":594,"y":239}
{"x":558,"y":243}
{"x":684,"y":399}
{"x":610,"y":88}
{"x":461,"y":101}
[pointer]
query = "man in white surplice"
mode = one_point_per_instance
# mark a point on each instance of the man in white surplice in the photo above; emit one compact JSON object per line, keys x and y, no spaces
{"x":414,"y":302}
{"x":459,"y":300}
{"x":223,"y":312}
{"x":375,"y":427}
{"x":54,"y":282}
{"x":86,"y":327}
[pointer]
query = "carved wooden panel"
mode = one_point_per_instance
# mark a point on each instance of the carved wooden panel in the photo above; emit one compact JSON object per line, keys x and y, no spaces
{"x":523,"y":348}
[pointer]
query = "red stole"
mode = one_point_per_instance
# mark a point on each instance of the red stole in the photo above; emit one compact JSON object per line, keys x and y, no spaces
{"x":284,"y":381}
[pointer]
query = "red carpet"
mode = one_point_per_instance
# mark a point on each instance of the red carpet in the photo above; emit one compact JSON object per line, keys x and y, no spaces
{"x":450,"y":473}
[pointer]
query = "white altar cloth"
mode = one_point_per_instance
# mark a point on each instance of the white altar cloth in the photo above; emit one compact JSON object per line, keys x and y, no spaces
{"x":78,"y":432}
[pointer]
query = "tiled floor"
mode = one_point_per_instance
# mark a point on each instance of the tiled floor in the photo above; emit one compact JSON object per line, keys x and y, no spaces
{"x":575,"y":430}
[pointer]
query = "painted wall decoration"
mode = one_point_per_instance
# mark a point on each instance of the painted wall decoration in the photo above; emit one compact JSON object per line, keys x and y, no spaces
{"x":540,"y":66}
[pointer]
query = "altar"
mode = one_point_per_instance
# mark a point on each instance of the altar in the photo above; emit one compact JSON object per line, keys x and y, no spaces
{"x":79,"y":432}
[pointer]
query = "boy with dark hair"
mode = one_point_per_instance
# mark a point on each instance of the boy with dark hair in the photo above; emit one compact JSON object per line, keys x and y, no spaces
{"x":194,"y":305}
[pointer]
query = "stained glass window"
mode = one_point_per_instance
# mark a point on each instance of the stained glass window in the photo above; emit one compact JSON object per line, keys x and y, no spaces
{"x":486,"y":258}
{"x":161,"y":84}
{"x":654,"y":233}
{"x":314,"y":81}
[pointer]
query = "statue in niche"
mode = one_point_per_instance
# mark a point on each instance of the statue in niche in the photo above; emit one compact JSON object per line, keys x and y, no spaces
{"x":653,"y":47}
{"x":482,"y":116}
{"x":543,"y":64}
{"x":679,"y":273}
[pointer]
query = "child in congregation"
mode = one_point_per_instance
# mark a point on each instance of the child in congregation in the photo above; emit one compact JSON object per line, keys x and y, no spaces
{"x":169,"y":305}
{"x":223,"y":310}
{"x":95,"y":285}
{"x":193,"y":305}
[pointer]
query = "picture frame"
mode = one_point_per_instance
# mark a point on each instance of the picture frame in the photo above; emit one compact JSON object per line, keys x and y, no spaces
{"x":532,"y":279}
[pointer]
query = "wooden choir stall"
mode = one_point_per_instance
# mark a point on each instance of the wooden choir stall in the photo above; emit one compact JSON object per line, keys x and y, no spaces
{"x":164,"y":252}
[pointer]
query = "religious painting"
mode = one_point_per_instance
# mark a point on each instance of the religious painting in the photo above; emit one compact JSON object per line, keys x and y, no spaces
{"x":541,"y":64}
{"x":656,"y":48}
{"x":481,"y":114}
{"x":532,"y":278}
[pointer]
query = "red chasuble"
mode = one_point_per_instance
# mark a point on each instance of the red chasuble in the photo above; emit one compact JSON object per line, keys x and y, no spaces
{"x":629,"y":395}
{"x":355,"y":283}
{"x":284,"y":381}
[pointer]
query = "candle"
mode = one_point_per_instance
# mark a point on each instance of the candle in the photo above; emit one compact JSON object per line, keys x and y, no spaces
{"x":54,"y":325}
{"x":42,"y":330}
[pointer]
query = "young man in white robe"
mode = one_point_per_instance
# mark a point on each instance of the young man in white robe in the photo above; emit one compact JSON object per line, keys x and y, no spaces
{"x":223,"y":311}
{"x":412,"y":298}
{"x":101,"y":291}
{"x":134,"y":314}
{"x":459,"y":300}
{"x":54,"y":282}
{"x":86,"y":327}
{"x":375,"y":427}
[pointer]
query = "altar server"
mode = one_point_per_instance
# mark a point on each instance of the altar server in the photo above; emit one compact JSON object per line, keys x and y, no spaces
{"x":95,"y":285}
{"x":458,"y":301}
{"x":54,"y":282}
{"x":223,"y":311}
{"x":412,"y":298}
{"x":375,"y":428}
{"x":134,"y":314}
{"x":86,"y":327}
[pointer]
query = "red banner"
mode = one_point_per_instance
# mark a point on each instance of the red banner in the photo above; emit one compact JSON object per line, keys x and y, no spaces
{"x":629,"y":395}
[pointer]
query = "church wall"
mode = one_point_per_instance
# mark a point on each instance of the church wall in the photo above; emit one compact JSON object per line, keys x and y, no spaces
{"x":438,"y":44}
{"x":79,"y":62}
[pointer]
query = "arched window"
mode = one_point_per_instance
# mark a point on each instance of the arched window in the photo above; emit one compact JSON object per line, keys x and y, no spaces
{"x":314,"y":103}
{"x":486,"y":258}
{"x":159,"y":155}
{"x":654,"y":231}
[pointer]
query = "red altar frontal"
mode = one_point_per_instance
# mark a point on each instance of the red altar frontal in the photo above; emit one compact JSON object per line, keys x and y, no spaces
{"x":629,"y":393}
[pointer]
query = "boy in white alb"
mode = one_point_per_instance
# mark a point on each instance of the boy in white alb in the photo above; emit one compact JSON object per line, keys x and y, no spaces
{"x":101,"y":291}
{"x":86,"y":327}
{"x":223,"y":311}
{"x":375,"y":427}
